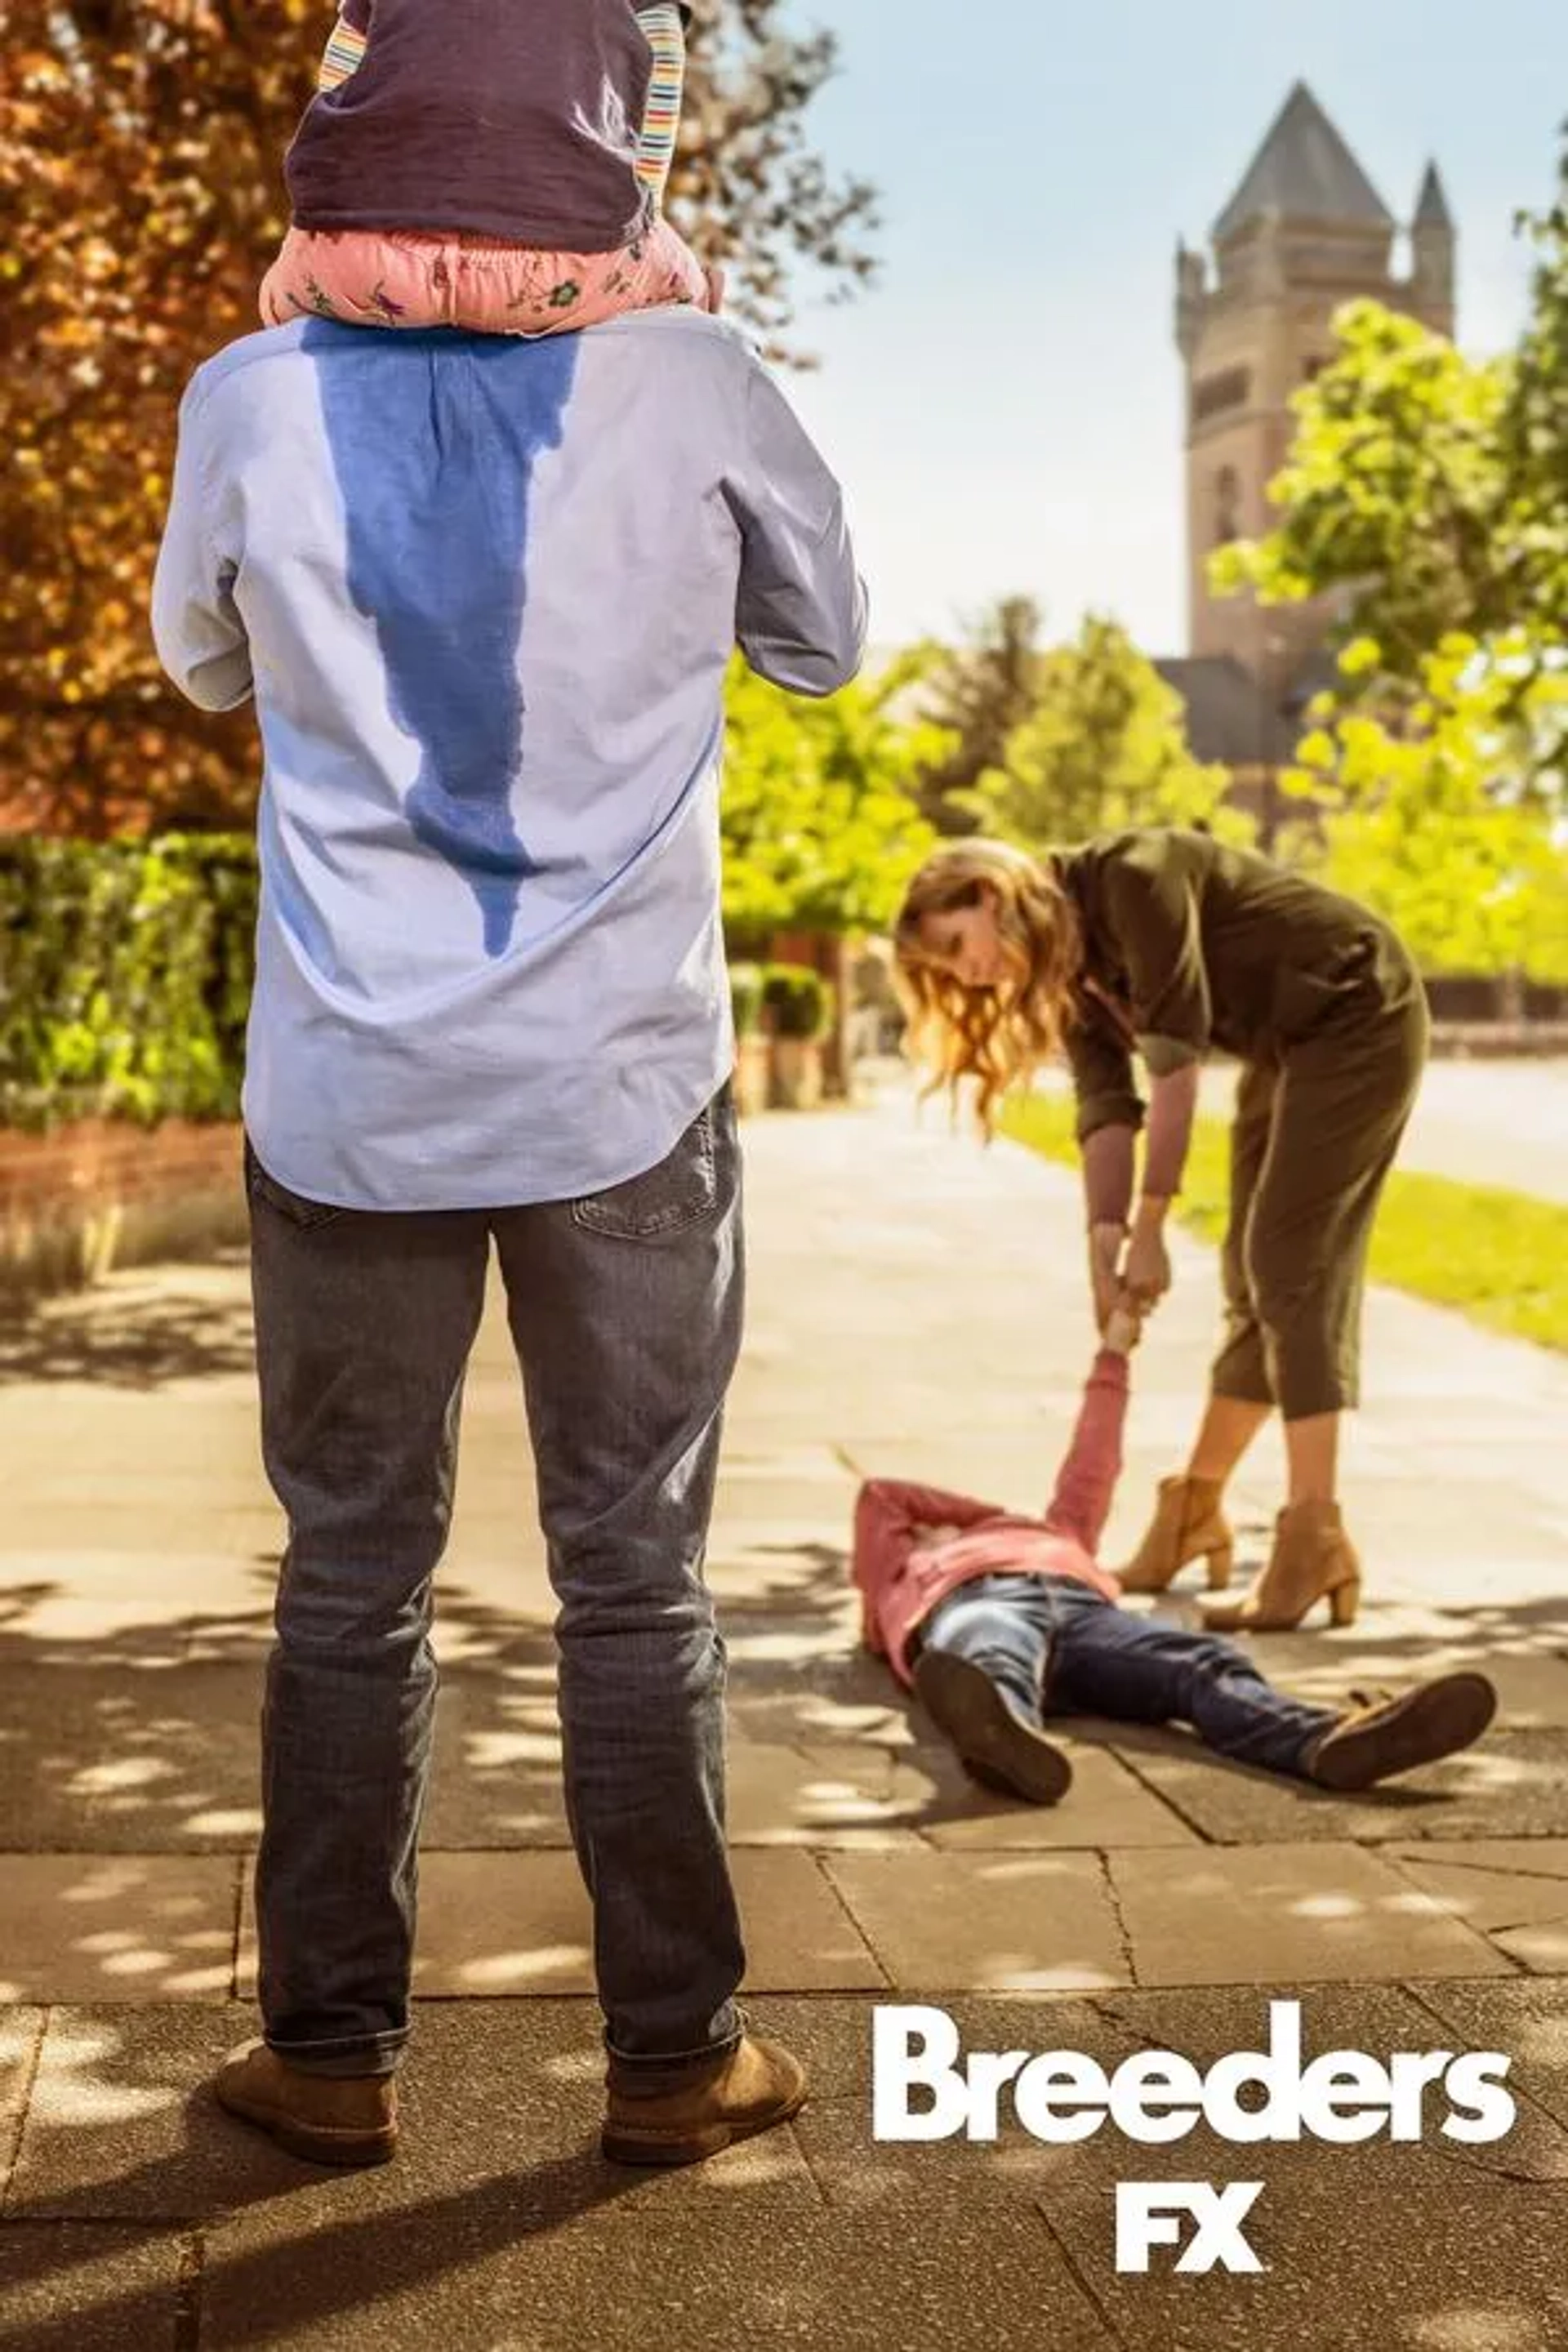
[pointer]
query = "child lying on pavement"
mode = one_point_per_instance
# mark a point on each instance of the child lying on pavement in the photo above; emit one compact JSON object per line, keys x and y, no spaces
{"x":1000,"y":1621}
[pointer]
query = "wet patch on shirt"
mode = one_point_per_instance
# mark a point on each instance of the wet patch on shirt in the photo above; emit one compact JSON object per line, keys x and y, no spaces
{"x":434,"y":439}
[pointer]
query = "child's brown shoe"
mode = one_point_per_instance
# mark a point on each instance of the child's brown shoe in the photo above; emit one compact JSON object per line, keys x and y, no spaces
{"x":1387,"y":1736}
{"x":325,"y":2118}
{"x":997,"y":1744}
{"x":757,"y":2084}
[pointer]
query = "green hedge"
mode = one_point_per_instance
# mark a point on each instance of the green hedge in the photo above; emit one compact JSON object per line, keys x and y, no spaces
{"x":745,"y":997}
{"x":126,"y":969}
{"x":798,"y":1001}
{"x":125,"y":974}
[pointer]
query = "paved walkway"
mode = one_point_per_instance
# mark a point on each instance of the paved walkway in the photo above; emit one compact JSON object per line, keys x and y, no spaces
{"x":916,"y":1305}
{"x":1502,"y":1123}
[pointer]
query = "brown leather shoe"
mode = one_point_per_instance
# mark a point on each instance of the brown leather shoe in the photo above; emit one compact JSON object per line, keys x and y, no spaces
{"x":758,"y":2084}
{"x":1394,"y":1734}
{"x":324,"y":2118}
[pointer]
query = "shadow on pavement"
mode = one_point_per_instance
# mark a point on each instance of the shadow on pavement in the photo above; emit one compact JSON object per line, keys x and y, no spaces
{"x":298,"y":2278}
{"x":145,"y":1740}
{"x":92,"y":1336}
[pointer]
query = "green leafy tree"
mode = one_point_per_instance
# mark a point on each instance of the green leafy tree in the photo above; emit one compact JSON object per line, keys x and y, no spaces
{"x":750,"y":191}
{"x":1104,"y":747}
{"x":1535,"y":422}
{"x":142,"y":196}
{"x":1395,"y":491}
{"x":1452,"y":824}
{"x":820,"y":831}
{"x":1431,"y":488}
{"x":978,"y":693}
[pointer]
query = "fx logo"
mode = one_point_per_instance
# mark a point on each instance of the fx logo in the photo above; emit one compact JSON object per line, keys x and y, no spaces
{"x":1146,"y":2216}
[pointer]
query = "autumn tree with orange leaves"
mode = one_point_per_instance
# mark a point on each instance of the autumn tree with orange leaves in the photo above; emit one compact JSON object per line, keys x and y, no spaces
{"x":140,"y":197}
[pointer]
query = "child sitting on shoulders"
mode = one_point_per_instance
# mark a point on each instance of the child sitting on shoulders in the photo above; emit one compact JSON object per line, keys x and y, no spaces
{"x":495,"y":167}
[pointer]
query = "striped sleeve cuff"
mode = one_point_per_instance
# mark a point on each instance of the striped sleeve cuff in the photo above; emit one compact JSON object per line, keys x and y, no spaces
{"x":665,"y":28}
{"x":344,"y":55}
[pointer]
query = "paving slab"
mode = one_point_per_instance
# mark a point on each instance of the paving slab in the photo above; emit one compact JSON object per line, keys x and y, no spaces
{"x":155,"y":1490}
{"x":1207,"y":2024}
{"x":76,"y":1606}
{"x":849,"y":1703}
{"x":95,"y":1760}
{"x":1395,"y":1648}
{"x":1272,"y":1914}
{"x":1106,"y":1806}
{"x":196,"y":1535}
{"x":129,"y":1757}
{"x":832,"y":2034}
{"x":118,"y":1927}
{"x":494,"y":1614}
{"x":1356,"y":2250}
{"x":1514,"y":1891}
{"x":21,"y":2032}
{"x":1313,"y":2290}
{"x":856,"y":2170}
{"x":1514,"y":1783}
{"x":866,"y":1859}
{"x":827,"y":1795}
{"x":820,"y":1488}
{"x":1525,"y":2018}
{"x":519,"y":1923}
{"x":122,"y":2121}
{"x":82,"y":2288}
{"x":986,"y":1922}
{"x":782,"y":1649}
{"x":120,"y":2124}
{"x":496,"y":1780}
{"x":486,"y":2269}
{"x":753,"y":1568}
{"x":787,"y":1542}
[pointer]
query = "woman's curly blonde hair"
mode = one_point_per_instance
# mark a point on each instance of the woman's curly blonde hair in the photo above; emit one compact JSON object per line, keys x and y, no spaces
{"x":997,"y":1037}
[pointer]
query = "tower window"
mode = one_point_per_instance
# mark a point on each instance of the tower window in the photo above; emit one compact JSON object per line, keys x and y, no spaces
{"x":1229,"y":388}
{"x":1226,"y":506}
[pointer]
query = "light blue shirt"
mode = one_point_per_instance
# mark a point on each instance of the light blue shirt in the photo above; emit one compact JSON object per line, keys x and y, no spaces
{"x":484,"y":590}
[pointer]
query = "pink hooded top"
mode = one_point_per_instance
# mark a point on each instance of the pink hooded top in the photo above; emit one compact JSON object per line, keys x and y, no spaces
{"x":902,"y":1579}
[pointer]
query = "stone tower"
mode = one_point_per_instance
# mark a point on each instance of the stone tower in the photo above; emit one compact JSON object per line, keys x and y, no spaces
{"x":1305,"y":232}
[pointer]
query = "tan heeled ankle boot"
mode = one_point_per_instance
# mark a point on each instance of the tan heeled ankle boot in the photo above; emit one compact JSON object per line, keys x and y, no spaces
{"x":1188,"y":1525}
{"x":1313,"y":1560}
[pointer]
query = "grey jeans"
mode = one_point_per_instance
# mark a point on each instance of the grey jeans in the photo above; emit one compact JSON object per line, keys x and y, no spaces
{"x":625,"y":1309}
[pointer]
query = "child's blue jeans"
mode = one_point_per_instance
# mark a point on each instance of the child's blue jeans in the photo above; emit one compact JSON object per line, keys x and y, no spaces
{"x":1056,"y":1648}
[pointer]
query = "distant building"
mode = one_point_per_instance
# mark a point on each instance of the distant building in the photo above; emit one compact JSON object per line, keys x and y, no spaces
{"x":1305,"y":232}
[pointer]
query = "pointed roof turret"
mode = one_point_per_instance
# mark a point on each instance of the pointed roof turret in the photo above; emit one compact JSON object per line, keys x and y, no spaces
{"x":1432,"y":207}
{"x":1304,"y":172}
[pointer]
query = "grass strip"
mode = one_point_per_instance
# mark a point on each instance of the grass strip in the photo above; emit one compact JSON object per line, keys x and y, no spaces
{"x":1500,"y":1257}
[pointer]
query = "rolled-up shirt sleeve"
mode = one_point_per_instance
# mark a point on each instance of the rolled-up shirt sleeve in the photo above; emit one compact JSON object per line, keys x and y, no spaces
{"x":1104,"y":1083}
{"x":800,"y":607}
{"x":1153,"y":903}
{"x":197,"y":626}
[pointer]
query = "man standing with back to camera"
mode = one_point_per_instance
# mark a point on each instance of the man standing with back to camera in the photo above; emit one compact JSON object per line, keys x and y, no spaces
{"x":484,"y":592}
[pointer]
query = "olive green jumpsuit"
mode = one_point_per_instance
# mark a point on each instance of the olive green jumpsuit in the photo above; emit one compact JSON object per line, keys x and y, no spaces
{"x":1189,"y":946}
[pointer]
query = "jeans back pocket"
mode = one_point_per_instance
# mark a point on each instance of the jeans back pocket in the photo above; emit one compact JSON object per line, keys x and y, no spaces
{"x":681,"y":1190}
{"x":298,"y":1210}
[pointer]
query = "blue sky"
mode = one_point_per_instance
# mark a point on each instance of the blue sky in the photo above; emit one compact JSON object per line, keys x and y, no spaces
{"x":1005,"y":407}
